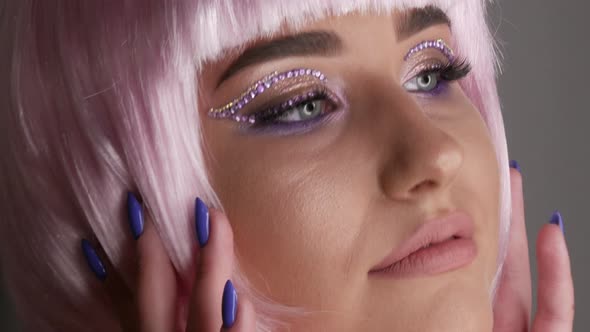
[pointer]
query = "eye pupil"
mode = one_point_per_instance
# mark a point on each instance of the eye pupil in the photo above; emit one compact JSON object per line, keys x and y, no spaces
{"x":425,"y":80}
{"x":309,"y":107}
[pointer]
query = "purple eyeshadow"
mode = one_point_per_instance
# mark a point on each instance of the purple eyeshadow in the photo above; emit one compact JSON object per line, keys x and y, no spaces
{"x":286,"y":129}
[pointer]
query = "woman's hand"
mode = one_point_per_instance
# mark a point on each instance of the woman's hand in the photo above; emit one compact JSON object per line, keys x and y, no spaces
{"x":555,"y":293}
{"x":157,"y":285}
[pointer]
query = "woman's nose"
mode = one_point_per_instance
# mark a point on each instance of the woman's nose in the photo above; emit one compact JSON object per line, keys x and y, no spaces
{"x":423,"y":157}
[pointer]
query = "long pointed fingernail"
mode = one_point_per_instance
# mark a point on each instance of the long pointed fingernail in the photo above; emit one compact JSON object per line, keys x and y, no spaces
{"x":556,"y":219}
{"x":94,"y":262}
{"x":514,"y":164}
{"x":202,"y":222}
{"x":134,"y":215}
{"x":229,"y":305}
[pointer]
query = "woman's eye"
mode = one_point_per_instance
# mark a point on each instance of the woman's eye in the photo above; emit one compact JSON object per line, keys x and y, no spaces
{"x":302,"y":112}
{"x":424,"y":82}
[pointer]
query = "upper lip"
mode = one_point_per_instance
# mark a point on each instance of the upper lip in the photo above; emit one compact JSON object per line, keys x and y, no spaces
{"x":457,"y":224}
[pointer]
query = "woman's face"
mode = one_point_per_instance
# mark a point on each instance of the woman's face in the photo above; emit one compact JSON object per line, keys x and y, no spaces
{"x":321,"y":194}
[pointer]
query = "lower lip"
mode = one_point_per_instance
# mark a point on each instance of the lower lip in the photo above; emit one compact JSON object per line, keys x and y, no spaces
{"x":438,"y":258}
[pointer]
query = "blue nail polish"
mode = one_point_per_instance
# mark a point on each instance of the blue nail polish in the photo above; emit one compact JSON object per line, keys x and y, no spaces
{"x":556,"y":219}
{"x":93,"y":260}
{"x":202,"y":222}
{"x":229,"y":305}
{"x":514,"y":164}
{"x":134,"y":215}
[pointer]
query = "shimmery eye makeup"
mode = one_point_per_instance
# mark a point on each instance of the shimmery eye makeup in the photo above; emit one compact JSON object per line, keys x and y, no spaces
{"x":231,"y":109}
{"x":431,"y":77}
{"x":437,"y":44}
{"x":301,"y":99}
{"x":434,"y":79}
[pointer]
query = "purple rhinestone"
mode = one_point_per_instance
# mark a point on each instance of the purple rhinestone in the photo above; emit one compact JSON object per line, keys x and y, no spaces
{"x":240,"y":105}
{"x":290,"y":74}
{"x":301,"y":71}
{"x":311,"y":94}
{"x":244,"y":118}
{"x":266,"y":85}
{"x":285,"y":105}
{"x":260,"y":88}
{"x":308,"y":72}
{"x":322,"y":77}
{"x":281,"y":77}
{"x":246,"y":100}
{"x":275,"y":80}
{"x":316,"y":73}
{"x":252,"y":119}
{"x":237,"y":118}
{"x":253,"y":94}
{"x":290,"y":102}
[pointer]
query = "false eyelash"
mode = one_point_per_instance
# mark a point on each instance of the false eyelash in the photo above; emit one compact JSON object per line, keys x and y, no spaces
{"x":272,"y":113}
{"x":454,"y":70}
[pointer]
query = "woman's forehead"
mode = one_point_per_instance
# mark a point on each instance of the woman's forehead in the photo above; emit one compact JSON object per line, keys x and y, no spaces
{"x":325,"y":38}
{"x":238,"y":24}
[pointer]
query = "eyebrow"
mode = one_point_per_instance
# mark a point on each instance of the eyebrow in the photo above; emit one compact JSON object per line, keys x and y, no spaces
{"x":325,"y":43}
{"x":328,"y":43}
{"x":417,"y":19}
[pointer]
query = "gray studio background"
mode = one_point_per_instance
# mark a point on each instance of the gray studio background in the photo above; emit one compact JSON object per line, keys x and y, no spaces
{"x":543,"y":91}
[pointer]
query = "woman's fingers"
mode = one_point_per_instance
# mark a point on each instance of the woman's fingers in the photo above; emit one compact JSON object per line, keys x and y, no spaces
{"x":113,"y":288}
{"x":156,"y":292}
{"x":555,"y":293}
{"x":214,"y":268}
{"x":214,"y":301}
{"x":244,"y":320}
{"x":155,"y":308}
{"x":512,"y":308}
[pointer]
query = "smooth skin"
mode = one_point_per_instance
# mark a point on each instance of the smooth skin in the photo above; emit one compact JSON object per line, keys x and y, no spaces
{"x":156,"y":295}
{"x":351,"y":191}
{"x":312,"y":214}
{"x":555,"y":289}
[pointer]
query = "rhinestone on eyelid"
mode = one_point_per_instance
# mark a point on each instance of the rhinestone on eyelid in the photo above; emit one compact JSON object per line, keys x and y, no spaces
{"x":231,"y":109}
{"x":438,"y":44}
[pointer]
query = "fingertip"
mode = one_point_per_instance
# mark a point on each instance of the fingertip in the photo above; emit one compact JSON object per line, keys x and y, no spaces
{"x":202,"y":222}
{"x":93,"y":260}
{"x":515,"y":179}
{"x":555,"y":293}
{"x":515,"y":165}
{"x":551,"y":245}
{"x":245,"y":320}
{"x":135,"y":215}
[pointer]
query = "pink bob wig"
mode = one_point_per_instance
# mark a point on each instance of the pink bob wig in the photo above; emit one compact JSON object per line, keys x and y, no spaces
{"x":101,"y":97}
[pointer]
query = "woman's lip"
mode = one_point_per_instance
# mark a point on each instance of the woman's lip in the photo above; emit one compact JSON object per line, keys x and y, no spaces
{"x":451,"y":247}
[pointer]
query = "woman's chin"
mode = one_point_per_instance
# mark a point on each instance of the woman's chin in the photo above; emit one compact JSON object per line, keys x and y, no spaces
{"x":455,"y":305}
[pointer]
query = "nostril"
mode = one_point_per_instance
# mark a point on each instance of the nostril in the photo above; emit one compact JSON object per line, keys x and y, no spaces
{"x":424,"y":185}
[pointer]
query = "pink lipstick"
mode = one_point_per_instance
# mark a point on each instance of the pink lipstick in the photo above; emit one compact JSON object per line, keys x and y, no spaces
{"x":438,"y":246}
